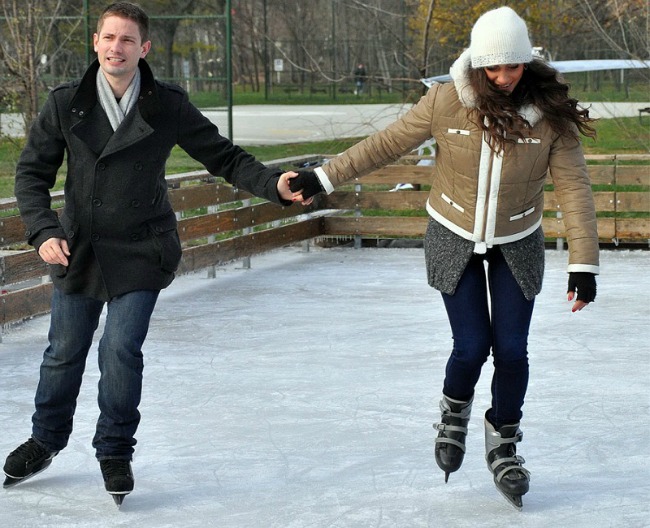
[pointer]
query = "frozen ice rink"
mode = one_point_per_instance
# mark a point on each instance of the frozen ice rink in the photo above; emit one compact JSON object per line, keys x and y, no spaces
{"x":302,"y":392}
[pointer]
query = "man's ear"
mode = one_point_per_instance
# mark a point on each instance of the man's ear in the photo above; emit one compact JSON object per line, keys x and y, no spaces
{"x":145,"y":49}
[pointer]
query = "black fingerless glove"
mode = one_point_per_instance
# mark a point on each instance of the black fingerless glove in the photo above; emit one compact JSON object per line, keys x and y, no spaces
{"x":585,"y":283}
{"x":308,"y":182}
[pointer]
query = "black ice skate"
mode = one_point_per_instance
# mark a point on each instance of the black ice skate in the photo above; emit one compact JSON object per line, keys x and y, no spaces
{"x":25,"y":461}
{"x":118,"y":478}
{"x":510,"y":477}
{"x":450,"y":444}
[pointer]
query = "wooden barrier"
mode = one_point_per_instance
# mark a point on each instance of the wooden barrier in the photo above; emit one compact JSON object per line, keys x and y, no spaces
{"x":218,"y":223}
{"x":621,"y":194}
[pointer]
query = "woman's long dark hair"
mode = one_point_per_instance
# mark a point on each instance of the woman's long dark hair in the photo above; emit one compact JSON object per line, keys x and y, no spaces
{"x":540,"y":86}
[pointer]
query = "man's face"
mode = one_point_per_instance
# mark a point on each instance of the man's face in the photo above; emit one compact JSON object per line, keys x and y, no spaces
{"x":119,"y":47}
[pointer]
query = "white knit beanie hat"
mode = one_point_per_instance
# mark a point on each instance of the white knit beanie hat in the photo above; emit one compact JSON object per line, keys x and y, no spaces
{"x":500,"y":36}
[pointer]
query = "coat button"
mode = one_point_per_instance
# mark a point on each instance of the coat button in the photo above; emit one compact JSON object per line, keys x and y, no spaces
{"x":97,"y":202}
{"x":101,"y":166}
{"x":134,"y":236}
{"x":94,"y":237}
{"x":135,"y":203}
{"x":137,"y":166}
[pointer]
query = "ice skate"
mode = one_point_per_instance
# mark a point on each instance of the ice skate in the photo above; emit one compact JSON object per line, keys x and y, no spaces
{"x":510,"y":477}
{"x":25,"y":461}
{"x":118,"y":478}
{"x":452,"y":431}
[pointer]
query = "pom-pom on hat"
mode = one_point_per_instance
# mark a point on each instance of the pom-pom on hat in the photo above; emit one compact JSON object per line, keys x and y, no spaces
{"x":500,"y":36}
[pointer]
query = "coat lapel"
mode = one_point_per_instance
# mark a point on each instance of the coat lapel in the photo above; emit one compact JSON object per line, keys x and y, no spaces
{"x":93,"y":126}
{"x":133,"y":129}
{"x":95,"y":131}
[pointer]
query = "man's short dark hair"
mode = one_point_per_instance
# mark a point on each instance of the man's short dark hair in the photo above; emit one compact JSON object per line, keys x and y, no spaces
{"x":130,"y":11}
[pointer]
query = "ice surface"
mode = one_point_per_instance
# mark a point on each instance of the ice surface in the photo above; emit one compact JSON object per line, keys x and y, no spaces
{"x":302,"y":393}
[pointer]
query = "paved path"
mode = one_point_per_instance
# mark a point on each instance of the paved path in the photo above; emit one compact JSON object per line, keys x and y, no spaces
{"x":267,"y":125}
{"x":278,"y":124}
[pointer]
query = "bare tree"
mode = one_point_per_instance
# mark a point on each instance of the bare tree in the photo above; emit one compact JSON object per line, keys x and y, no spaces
{"x":622,"y":25}
{"x":27,"y":46}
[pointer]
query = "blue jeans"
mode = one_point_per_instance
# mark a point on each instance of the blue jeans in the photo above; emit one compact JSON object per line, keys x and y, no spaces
{"x":74,"y":319}
{"x":480,"y":323}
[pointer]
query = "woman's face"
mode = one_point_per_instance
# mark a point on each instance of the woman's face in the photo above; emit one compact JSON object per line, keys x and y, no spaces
{"x":505,"y":76}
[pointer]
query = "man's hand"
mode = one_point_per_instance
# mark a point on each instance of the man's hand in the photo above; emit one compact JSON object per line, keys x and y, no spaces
{"x":585,"y":284}
{"x":284,"y":191}
{"x":55,"y":251}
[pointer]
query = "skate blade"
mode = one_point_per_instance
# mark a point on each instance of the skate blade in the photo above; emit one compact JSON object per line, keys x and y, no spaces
{"x":10,"y":482}
{"x":514,"y":500}
{"x":118,"y":498}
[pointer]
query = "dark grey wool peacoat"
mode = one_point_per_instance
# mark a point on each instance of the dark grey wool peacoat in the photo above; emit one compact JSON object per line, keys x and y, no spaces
{"x":118,"y":219}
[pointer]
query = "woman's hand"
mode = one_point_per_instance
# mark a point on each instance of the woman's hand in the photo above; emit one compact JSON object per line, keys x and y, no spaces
{"x":585,"y":284}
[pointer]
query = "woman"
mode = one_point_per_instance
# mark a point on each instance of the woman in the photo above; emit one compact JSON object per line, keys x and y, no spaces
{"x":504,"y":121}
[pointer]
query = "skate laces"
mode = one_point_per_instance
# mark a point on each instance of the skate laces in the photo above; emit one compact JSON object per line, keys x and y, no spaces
{"x":30,"y":451}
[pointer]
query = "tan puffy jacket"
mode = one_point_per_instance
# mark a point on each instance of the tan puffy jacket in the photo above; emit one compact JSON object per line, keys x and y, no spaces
{"x":482,"y":197}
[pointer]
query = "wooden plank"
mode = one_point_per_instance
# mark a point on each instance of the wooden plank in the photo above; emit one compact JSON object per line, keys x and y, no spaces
{"x":204,"y":195}
{"x":408,"y":226}
{"x":28,"y":302}
{"x":554,"y":228}
{"x":633,"y":229}
{"x":598,"y":175}
{"x":206,"y":225}
{"x":9,"y":204}
{"x":601,"y":157}
{"x":633,"y":175}
{"x":604,"y":201}
{"x":403,"y":200}
{"x":175,"y":180}
{"x":632,"y":202}
{"x":266,"y":212}
{"x":394,"y":174}
{"x":375,"y":226}
{"x":644,"y":158}
{"x":216,"y":253}
{"x":21,"y":266}
{"x":602,"y":174}
{"x":12,"y":230}
{"x":235,"y":219}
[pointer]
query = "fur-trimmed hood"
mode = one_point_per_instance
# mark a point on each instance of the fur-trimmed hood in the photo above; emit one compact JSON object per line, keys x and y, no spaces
{"x":459,"y":72}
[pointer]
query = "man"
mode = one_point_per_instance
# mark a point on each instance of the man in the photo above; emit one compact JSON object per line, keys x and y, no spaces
{"x":116,"y":242}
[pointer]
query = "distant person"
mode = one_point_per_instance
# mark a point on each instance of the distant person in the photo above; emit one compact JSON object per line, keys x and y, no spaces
{"x":500,"y":126}
{"x":115,"y":244}
{"x":360,"y":77}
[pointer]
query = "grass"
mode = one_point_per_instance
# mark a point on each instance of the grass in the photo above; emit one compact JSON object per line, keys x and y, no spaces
{"x":627,"y":135}
{"x":296,"y":97}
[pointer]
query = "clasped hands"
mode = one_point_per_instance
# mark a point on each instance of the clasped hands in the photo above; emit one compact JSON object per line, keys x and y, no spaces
{"x":299,"y":186}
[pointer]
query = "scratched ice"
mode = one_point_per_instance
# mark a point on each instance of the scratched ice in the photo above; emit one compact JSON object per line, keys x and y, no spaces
{"x":301,"y":393}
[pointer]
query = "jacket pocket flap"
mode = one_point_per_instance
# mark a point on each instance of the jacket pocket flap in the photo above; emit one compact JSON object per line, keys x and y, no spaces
{"x":163,"y":224}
